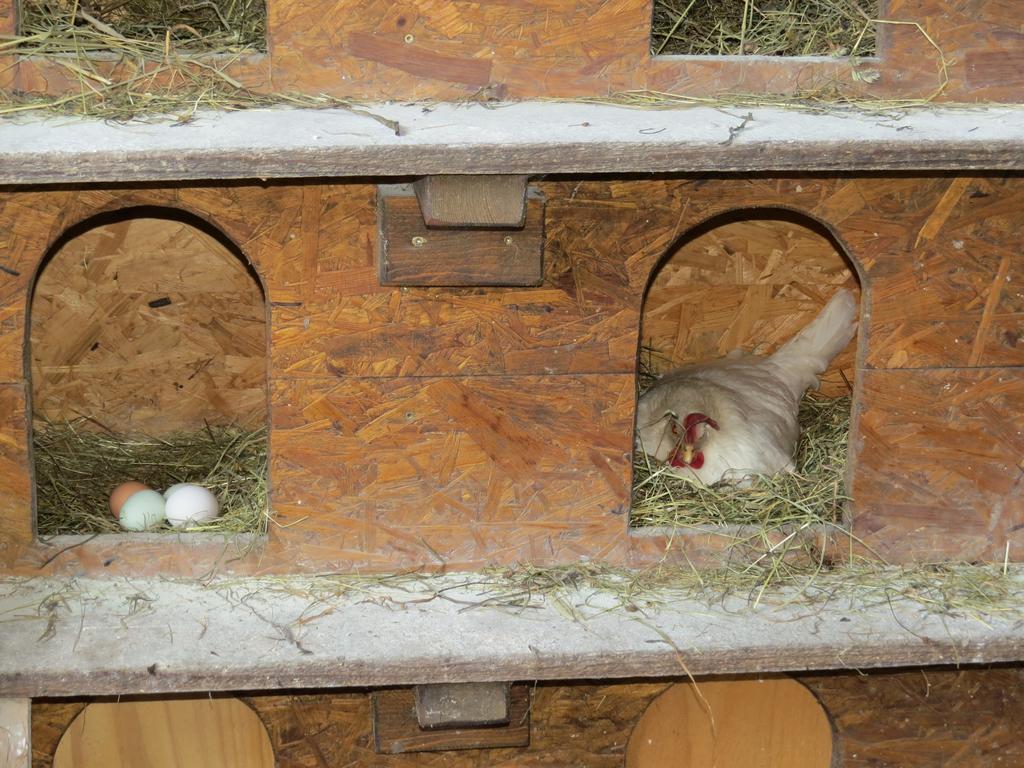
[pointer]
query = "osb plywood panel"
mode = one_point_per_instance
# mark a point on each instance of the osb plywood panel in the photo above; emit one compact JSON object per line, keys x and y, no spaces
{"x":443,"y":427}
{"x":750,"y":284}
{"x":438,"y":469}
{"x":148,"y":326}
{"x":16,"y":525}
{"x":927,"y":718}
{"x":940,"y":449}
{"x":921,"y":718}
{"x":570,"y":725}
{"x":561,"y":48}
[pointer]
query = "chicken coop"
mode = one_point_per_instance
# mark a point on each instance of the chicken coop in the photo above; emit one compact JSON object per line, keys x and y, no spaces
{"x":388,"y":279}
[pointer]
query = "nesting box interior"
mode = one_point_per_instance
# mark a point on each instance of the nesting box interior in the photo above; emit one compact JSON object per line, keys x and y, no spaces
{"x":147,"y":350}
{"x":749,"y":281}
{"x":456,"y":426}
{"x":740,"y":28}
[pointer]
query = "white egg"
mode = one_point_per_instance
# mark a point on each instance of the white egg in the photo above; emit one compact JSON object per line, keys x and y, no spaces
{"x":175,"y":487}
{"x":190,"y":504}
{"x":142,"y":510}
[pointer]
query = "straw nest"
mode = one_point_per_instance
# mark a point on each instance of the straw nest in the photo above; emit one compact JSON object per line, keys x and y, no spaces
{"x":200,"y":26}
{"x":767,"y":27}
{"x":812,"y":495}
{"x":76,"y":468}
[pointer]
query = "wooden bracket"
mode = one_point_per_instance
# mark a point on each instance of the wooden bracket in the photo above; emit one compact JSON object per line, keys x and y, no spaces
{"x":397,"y":716}
{"x":472,"y":201}
{"x":458,"y":705}
{"x":411,"y":253}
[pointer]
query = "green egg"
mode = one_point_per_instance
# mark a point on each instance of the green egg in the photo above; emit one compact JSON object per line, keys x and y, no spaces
{"x":142,"y":510}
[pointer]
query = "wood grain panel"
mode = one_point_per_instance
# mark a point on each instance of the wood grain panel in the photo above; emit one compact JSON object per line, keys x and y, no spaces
{"x":148,"y":326}
{"x":573,"y":48}
{"x":925,"y":718}
{"x":908,"y":718}
{"x":938,"y":464}
{"x":16,"y":525}
{"x":438,"y":470}
{"x":16,"y":733}
{"x":521,"y":399}
{"x":586,"y":725}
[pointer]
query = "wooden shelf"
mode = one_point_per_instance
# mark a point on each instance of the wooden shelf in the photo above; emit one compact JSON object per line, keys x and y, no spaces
{"x":525,"y":138}
{"x":71,"y":637}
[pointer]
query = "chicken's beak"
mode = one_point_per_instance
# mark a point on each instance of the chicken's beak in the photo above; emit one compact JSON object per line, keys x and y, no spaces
{"x":687,"y":454}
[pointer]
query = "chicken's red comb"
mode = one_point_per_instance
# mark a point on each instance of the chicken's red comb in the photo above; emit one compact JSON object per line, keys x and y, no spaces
{"x":693,"y":419}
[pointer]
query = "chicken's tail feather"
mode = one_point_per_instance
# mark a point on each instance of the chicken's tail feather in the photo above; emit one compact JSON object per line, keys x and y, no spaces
{"x":812,"y":349}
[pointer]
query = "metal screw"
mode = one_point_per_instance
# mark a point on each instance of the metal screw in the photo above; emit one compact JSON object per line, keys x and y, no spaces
{"x":509,"y":240}
{"x":419,"y":241}
{"x":410,"y":39}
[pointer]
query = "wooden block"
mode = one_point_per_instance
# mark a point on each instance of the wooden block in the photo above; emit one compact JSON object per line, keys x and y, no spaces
{"x":411,"y":254}
{"x":396,"y":729}
{"x":15,"y":733}
{"x":472,"y":201}
{"x":461,"y":705}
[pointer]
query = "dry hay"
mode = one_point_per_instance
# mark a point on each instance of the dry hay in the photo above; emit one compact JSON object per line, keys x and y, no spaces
{"x":812,"y":495}
{"x":76,"y":468}
{"x":199,"y":26}
{"x":148,"y":69}
{"x":766,"y":28}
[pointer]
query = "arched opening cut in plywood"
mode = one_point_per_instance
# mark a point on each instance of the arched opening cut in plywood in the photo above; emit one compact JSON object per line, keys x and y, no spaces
{"x":747,"y":280}
{"x":196,"y":732}
{"x":733,"y":723}
{"x":147,"y":356}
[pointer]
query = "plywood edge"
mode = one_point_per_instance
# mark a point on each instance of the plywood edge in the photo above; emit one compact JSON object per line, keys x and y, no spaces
{"x":15,"y":733}
{"x":260,"y":634}
{"x":517,"y":138}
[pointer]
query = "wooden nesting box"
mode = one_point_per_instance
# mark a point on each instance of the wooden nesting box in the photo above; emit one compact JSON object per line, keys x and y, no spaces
{"x":884,"y":718}
{"x":467,"y":426}
{"x":457,"y":397}
{"x":435,"y":302}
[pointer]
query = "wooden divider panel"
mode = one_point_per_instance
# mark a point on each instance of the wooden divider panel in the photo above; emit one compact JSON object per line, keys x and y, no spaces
{"x":472,"y":426}
{"x":925,"y":718}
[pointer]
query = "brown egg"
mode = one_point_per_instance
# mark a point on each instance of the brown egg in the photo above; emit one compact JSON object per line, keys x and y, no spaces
{"x":121,"y":494}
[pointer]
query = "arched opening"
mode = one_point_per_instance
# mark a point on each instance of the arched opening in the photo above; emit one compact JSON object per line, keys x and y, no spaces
{"x":147,"y":360}
{"x":202,"y":732}
{"x":748,"y":280}
{"x":733,"y":723}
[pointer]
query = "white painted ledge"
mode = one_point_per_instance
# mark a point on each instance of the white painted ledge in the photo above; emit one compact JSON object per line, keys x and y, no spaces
{"x":529,"y":137}
{"x":81,"y":637}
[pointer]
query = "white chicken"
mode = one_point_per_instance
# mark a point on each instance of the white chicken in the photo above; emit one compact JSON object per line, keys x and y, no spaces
{"x":736,"y":417}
